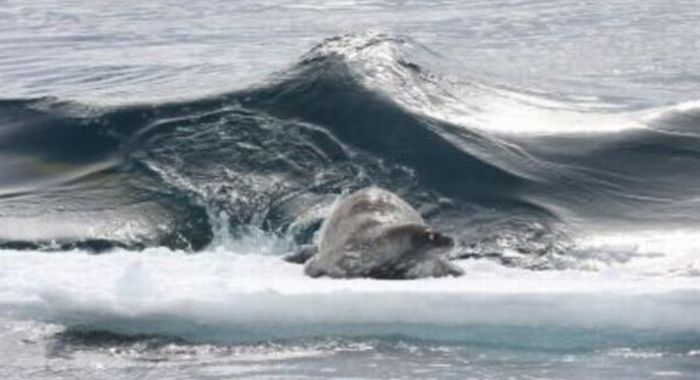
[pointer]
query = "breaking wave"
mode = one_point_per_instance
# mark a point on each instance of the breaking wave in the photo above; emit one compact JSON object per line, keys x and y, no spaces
{"x":529,"y":179}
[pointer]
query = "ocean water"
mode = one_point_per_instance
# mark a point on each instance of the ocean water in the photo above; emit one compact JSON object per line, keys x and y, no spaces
{"x":157,"y":159}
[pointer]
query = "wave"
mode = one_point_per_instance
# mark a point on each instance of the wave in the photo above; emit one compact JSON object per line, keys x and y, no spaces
{"x":502,"y":169}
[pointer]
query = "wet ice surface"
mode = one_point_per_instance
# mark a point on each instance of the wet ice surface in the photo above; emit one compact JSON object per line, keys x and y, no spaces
{"x":135,"y":292}
{"x":218,"y":315}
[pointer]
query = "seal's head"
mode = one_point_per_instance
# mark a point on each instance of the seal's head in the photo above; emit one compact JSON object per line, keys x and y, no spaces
{"x":412,"y":240}
{"x":430,"y":240}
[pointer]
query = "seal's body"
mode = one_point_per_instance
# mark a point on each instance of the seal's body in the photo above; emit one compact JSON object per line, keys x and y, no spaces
{"x":374,"y":233}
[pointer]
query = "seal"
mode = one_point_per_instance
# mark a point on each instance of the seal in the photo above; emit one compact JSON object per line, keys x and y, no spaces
{"x":374,"y":233}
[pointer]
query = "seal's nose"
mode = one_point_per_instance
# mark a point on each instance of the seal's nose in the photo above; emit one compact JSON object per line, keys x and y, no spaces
{"x":445,"y":241}
{"x":440,"y":240}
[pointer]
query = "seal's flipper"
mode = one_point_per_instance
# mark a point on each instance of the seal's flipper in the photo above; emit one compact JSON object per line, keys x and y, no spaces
{"x":302,"y":255}
{"x":389,"y":272}
{"x":433,"y":267}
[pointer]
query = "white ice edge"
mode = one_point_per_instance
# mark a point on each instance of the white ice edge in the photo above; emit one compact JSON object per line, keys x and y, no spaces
{"x":161,"y":292}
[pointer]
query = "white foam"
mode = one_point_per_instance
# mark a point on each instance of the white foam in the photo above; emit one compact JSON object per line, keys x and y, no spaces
{"x":233,"y":297}
{"x":652,"y":252}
